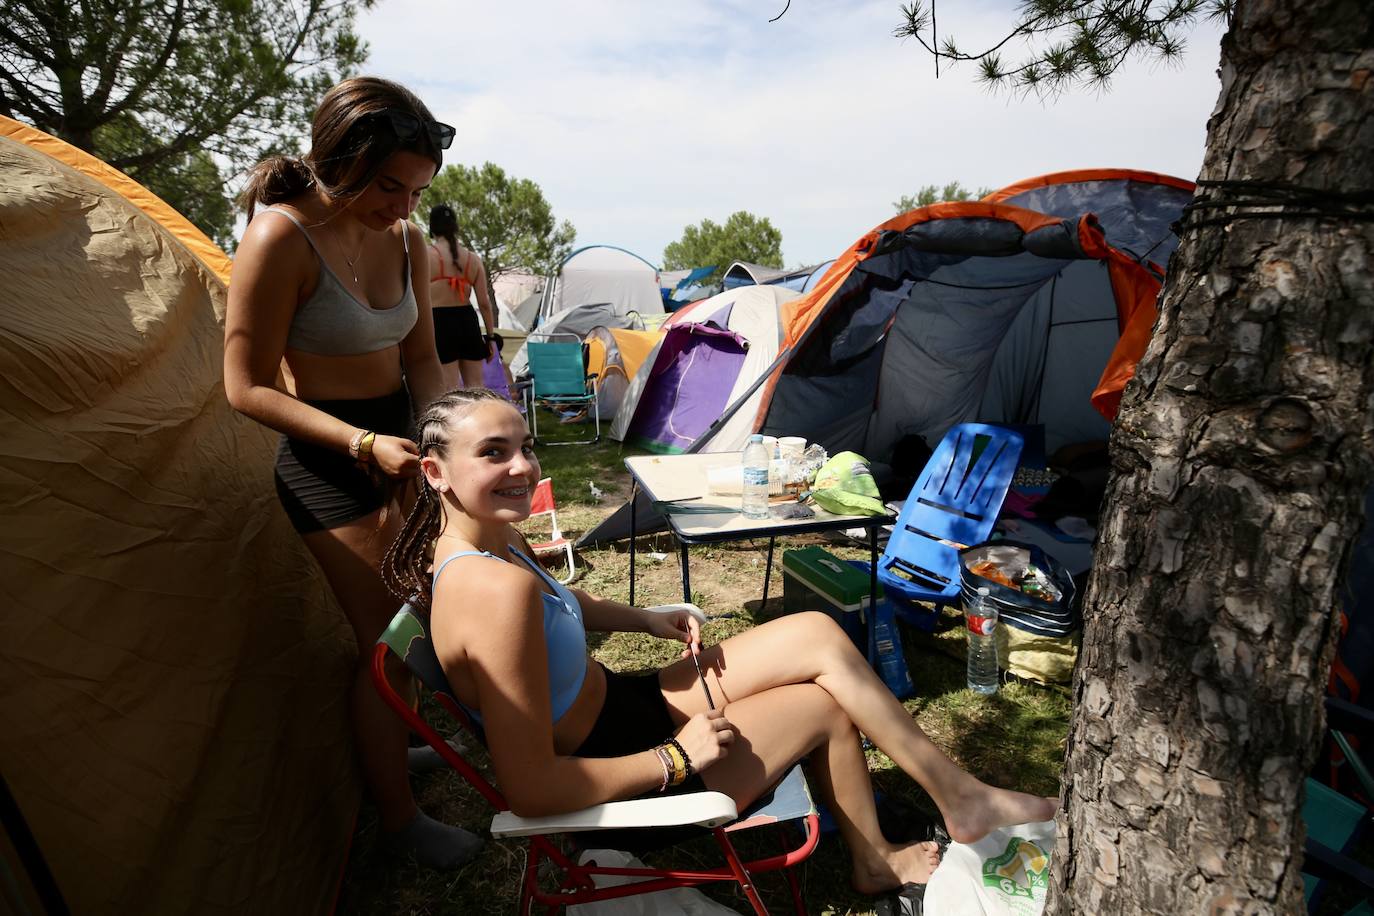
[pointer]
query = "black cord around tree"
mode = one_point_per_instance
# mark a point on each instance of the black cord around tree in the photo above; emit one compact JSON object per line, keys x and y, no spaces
{"x":1284,"y":200}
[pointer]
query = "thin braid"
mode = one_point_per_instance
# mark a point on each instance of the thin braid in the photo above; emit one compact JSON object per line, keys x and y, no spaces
{"x":405,"y":568}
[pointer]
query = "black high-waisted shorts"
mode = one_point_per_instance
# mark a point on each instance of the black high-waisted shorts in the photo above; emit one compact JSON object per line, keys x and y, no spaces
{"x":634,"y":718}
{"x":320,"y":488}
{"x":458,"y":334}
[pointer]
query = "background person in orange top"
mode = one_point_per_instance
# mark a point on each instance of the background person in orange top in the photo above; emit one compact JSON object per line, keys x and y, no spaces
{"x":454,"y":274}
{"x":331,"y":277}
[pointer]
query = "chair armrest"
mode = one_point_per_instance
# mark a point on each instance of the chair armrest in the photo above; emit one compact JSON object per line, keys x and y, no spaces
{"x":695,"y":611}
{"x":591,"y":376}
{"x":705,"y":809}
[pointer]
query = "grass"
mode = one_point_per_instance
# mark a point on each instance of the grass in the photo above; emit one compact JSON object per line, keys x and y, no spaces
{"x":1014,"y":738}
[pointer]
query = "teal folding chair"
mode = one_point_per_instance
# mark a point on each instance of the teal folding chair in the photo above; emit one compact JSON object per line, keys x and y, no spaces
{"x":558,"y":378}
{"x":1336,"y":822}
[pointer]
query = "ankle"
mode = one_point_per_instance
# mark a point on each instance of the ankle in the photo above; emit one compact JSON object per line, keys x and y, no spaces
{"x":397,"y":818}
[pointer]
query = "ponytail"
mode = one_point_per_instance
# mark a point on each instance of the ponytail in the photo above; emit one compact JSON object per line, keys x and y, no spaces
{"x":274,"y":180}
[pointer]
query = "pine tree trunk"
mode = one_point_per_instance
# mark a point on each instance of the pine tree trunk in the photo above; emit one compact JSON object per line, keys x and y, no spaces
{"x":1241,"y":457}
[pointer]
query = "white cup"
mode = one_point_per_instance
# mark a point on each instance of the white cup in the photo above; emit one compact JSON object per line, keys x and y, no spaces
{"x":771,"y":443}
{"x":790,"y":448}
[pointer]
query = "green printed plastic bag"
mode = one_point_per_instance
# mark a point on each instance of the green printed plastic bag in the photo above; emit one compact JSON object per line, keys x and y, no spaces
{"x":844,"y":485}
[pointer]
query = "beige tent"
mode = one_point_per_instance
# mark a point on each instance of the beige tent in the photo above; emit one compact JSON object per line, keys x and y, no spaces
{"x":173,"y":675}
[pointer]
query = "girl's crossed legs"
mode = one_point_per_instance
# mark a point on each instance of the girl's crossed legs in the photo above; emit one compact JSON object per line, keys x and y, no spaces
{"x":796,"y":684}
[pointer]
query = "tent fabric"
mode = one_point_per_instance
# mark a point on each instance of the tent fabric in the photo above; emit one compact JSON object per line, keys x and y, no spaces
{"x":579,"y":323}
{"x":174,"y":675}
{"x":517,"y":299}
{"x":615,"y":355}
{"x":602,"y":273}
{"x":961,"y":312}
{"x":695,"y":372}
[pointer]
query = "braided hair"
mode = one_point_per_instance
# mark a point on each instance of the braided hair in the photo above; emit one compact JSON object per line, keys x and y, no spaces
{"x":405,"y":568}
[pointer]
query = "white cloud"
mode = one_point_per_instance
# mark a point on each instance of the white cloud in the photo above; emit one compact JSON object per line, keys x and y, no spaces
{"x":638,"y":118}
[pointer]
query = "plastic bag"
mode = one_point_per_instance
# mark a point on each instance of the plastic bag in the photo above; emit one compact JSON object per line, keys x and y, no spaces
{"x":1006,"y":873}
{"x":680,"y":901}
{"x":844,"y":485}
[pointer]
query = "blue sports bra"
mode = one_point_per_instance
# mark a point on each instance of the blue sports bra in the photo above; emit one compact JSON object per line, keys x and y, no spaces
{"x":564,"y":634}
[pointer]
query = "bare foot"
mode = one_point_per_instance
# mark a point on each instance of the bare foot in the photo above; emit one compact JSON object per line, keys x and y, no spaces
{"x":910,"y":864}
{"x":982,"y":809}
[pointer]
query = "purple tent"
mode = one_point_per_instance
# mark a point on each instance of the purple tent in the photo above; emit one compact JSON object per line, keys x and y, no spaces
{"x":689,"y":386}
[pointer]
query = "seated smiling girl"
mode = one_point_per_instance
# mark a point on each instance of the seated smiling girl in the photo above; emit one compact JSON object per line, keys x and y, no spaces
{"x":565,"y":733}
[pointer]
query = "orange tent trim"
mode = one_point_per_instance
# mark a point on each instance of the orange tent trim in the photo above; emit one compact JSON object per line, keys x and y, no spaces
{"x":205,"y":251}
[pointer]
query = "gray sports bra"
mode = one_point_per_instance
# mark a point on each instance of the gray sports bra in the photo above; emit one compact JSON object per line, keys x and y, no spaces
{"x":333,"y":322}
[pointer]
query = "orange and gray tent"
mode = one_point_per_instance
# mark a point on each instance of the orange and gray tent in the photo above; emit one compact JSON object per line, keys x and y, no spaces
{"x":975,"y":311}
{"x":174,"y":675}
{"x":615,"y":355}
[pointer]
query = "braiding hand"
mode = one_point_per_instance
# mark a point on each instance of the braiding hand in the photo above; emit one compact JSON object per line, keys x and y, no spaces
{"x":396,"y":457}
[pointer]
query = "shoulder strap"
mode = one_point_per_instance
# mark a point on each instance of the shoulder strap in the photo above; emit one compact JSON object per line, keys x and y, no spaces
{"x":461,"y":553}
{"x":299,"y":226}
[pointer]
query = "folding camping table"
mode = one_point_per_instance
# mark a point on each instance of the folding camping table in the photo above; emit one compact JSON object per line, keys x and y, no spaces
{"x":679,"y":482}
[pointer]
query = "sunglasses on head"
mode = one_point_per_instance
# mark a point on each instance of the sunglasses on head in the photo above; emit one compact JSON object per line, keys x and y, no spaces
{"x":407,"y":127}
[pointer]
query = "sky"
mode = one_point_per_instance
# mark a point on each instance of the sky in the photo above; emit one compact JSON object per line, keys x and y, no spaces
{"x":638,"y":118}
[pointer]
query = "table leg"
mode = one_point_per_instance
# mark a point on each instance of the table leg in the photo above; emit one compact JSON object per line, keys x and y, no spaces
{"x":767,"y":571}
{"x":686,"y":581}
{"x":634,"y":514}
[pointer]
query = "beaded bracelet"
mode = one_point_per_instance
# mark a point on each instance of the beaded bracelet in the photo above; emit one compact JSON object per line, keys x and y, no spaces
{"x":686,"y":761}
{"x":354,"y":442}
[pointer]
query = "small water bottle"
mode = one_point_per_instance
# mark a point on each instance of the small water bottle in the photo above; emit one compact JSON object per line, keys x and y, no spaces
{"x":756,"y":461}
{"x":980,"y":619}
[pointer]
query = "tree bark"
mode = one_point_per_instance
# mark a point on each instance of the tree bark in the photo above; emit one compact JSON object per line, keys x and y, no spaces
{"x":1241,"y":457}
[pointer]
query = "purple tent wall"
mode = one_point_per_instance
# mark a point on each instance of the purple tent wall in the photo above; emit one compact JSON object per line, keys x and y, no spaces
{"x":688,"y":388}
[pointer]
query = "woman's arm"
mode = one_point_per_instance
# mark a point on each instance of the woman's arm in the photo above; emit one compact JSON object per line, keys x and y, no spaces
{"x":424,"y":377}
{"x":608,"y":616}
{"x":479,"y":286}
{"x":507,"y":657}
{"x":271,"y":268}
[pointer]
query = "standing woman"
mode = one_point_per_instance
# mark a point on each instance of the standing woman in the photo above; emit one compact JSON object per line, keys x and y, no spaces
{"x":331,"y":278}
{"x":454,"y":273}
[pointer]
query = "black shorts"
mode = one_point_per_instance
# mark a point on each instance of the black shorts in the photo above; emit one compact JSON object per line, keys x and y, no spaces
{"x":634,"y":718}
{"x":320,"y":488}
{"x":457,"y":334}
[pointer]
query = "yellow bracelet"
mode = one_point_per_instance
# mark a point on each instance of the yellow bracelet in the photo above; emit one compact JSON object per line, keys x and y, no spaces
{"x":679,"y":765}
{"x":365,"y":447}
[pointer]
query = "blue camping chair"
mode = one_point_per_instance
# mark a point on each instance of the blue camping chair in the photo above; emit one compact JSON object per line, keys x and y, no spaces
{"x":953,"y":505}
{"x":558,"y":378}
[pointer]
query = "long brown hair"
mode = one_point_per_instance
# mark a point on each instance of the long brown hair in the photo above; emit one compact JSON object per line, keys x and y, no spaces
{"x":405,"y":569}
{"x":443,"y":224}
{"x":350,"y":140}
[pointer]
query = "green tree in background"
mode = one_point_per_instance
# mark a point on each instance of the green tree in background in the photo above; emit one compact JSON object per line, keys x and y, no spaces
{"x":506,"y":220}
{"x":179,"y":94}
{"x":934,"y":194}
{"x":744,"y":237}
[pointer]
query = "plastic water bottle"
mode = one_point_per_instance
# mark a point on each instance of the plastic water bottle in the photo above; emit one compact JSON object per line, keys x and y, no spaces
{"x":756,"y":461}
{"x":980,"y":619}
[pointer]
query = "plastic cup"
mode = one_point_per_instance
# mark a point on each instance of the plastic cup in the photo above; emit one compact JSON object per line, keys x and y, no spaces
{"x":790,"y":448}
{"x":771,"y":443}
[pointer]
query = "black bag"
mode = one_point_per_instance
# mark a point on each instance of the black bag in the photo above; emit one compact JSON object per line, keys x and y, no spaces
{"x":1055,"y":617}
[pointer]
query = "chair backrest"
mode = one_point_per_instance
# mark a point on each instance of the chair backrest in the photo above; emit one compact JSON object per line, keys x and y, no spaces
{"x":407,"y":637}
{"x":556,"y":366}
{"x":543,"y":503}
{"x":955,"y":501}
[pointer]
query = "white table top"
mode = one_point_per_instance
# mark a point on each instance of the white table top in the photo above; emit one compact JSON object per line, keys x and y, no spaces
{"x":668,"y":477}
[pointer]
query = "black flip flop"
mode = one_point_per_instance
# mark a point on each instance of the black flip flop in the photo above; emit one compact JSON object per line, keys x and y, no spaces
{"x":907,"y":900}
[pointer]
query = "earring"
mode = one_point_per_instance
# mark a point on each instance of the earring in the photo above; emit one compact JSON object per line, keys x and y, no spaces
{"x":441,"y":487}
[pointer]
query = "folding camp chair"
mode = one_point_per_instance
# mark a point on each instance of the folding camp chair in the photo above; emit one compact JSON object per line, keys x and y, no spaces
{"x":408,"y":638}
{"x":559,"y":378}
{"x":953,"y":505}
{"x":543,"y":504}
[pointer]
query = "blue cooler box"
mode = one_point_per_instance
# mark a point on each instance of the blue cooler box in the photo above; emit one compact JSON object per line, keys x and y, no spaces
{"x":814,"y":580}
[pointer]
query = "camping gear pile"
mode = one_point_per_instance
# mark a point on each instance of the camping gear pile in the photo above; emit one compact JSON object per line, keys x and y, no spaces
{"x":1039,"y":626}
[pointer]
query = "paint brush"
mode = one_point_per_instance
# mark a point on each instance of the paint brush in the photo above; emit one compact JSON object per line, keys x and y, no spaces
{"x":710,"y":704}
